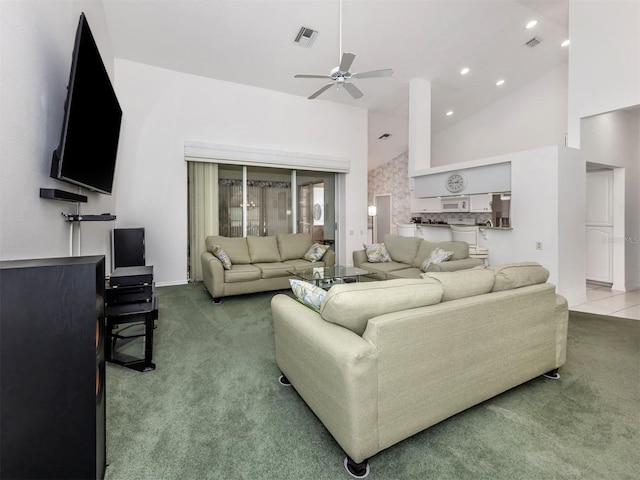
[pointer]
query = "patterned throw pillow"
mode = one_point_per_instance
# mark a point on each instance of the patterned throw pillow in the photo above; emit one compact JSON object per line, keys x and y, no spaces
{"x":377,"y":253}
{"x":438,"y":255}
{"x":222,"y":256}
{"x":308,"y":294}
{"x":316,"y":252}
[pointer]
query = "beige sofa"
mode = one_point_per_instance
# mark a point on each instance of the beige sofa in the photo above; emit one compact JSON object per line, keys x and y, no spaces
{"x":384,"y":360}
{"x":258,"y":264}
{"x":408,"y":254}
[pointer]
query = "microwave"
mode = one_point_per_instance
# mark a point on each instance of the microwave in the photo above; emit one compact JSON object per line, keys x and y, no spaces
{"x":454,"y":204}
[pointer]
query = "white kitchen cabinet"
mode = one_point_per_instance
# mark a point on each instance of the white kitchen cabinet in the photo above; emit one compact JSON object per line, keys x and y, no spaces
{"x":425,"y":205}
{"x":480,"y":202}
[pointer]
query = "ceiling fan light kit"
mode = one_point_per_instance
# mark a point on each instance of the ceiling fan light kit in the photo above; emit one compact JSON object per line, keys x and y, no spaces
{"x":341,"y":75}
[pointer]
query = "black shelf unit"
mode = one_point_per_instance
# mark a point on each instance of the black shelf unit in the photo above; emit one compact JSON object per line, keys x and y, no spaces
{"x":103,"y":217}
{"x":131,"y":312}
{"x":55,"y":194}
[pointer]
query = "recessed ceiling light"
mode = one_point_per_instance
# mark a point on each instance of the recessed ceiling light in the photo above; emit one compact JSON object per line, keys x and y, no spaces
{"x":531,"y":24}
{"x":500,"y":82}
{"x":565,"y":43}
{"x":464,"y":71}
{"x":449,"y":113}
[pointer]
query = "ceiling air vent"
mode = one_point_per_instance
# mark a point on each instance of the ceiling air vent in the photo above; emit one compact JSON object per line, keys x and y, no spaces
{"x":535,"y":41}
{"x":305,"y":37}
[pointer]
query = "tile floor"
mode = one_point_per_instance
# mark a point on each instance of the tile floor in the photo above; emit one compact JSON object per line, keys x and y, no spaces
{"x":605,"y":301}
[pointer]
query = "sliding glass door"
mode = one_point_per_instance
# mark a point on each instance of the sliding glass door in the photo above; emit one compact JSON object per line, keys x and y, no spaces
{"x":237,"y":201}
{"x":316,"y":205}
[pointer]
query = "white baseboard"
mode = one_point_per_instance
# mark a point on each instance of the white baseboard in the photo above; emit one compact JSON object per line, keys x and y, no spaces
{"x":171,"y":284}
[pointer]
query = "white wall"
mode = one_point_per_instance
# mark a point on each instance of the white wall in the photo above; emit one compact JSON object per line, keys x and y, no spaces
{"x":545,"y":210}
{"x":163,"y":108}
{"x":35,"y":60}
{"x":604,"y":60}
{"x":531,"y":117}
{"x":384,"y":150}
{"x":534,"y":199}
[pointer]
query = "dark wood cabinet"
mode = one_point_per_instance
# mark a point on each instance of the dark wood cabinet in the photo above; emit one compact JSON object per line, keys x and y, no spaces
{"x":52,"y":368}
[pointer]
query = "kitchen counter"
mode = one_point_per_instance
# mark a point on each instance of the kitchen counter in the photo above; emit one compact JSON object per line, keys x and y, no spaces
{"x":444,"y":225}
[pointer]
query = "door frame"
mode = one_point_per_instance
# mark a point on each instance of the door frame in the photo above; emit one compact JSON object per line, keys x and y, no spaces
{"x":378,"y":200}
{"x":617,"y":247}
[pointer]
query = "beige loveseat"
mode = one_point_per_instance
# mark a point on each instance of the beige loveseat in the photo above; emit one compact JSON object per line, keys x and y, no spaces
{"x":409,"y":253}
{"x":384,"y":360}
{"x":258,"y":264}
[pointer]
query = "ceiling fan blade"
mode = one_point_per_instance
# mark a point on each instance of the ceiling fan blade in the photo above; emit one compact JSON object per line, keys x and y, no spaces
{"x":304,"y":75}
{"x":347,"y":60}
{"x":387,"y":72}
{"x":353,"y":90}
{"x":326,"y":87}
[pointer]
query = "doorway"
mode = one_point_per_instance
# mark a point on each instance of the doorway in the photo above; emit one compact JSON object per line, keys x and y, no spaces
{"x":382,"y":221}
{"x":605,"y":213}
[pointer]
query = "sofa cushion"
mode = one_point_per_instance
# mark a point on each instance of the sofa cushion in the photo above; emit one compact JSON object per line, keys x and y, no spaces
{"x":242,"y":273}
{"x":236,"y":248}
{"x":463,"y":283}
{"x":376,"y":253}
{"x":302,"y":264}
{"x":402,"y":249}
{"x":411,"y":272}
{"x":293,"y":245}
{"x":274,"y":269}
{"x":384,"y":267}
{"x":353,"y":304}
{"x":307,"y":293}
{"x":263,"y":249}
{"x":516,"y":275}
{"x":315,"y":252}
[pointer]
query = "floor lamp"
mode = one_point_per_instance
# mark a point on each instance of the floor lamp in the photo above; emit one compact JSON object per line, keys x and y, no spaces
{"x":372,"y":211}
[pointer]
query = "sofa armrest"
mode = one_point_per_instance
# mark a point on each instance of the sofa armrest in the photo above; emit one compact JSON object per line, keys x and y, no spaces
{"x":454,"y":265}
{"x":329,"y":258}
{"x":359,"y":258}
{"x":333,"y":369}
{"x":212,"y":274}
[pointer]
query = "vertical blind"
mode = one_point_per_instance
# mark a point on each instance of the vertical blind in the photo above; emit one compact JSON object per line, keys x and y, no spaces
{"x":203,"y":211}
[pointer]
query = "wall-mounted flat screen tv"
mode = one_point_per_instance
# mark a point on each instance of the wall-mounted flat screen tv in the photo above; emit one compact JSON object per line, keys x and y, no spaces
{"x":88,"y":146}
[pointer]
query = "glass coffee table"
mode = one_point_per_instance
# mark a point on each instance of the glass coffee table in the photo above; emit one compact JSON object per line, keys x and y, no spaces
{"x":326,"y":277}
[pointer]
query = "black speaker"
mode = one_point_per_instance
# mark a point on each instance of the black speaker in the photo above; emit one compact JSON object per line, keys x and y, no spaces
{"x":52,"y":368}
{"x":128,"y":247}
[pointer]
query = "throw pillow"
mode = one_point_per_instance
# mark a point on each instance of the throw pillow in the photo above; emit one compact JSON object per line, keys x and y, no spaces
{"x":376,"y":253}
{"x":307,"y":293}
{"x":221,"y":255}
{"x":437,"y":256}
{"x":316,"y":252}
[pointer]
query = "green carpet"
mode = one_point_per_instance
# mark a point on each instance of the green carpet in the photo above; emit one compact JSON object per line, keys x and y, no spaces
{"x":213,"y":409}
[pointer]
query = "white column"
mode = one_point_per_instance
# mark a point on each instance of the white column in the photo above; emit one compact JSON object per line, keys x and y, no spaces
{"x":419,"y":126}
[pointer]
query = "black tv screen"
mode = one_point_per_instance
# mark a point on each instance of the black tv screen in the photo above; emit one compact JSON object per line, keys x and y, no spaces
{"x":88,"y":146}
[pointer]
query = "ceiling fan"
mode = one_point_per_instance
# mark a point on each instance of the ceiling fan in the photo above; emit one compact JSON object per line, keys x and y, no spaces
{"x":341,"y":74}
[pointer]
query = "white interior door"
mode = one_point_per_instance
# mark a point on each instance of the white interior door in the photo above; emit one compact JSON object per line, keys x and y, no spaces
{"x":382,"y":221}
{"x":599,"y":226}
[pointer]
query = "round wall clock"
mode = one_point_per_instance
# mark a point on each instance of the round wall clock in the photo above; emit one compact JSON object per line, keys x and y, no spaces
{"x":456,"y":182}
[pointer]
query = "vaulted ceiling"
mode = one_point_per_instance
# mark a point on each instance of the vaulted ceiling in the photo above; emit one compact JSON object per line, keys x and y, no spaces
{"x":252,"y":43}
